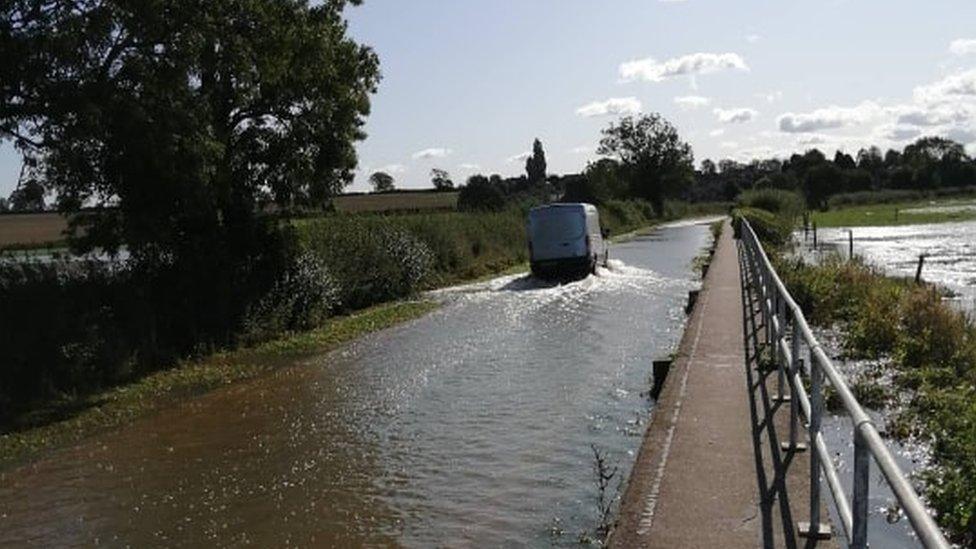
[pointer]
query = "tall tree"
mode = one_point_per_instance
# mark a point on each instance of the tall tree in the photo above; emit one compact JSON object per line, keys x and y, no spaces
{"x":27,"y":197}
{"x":381,"y":182}
{"x":659,"y":164}
{"x":535,"y":165}
{"x":844,"y":161}
{"x":180,"y":112}
{"x":441,"y":180}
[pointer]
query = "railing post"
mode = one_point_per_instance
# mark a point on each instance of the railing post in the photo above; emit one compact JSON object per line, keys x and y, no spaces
{"x":813,"y":529}
{"x":780,"y":335}
{"x":859,"y":511}
{"x":796,"y":366}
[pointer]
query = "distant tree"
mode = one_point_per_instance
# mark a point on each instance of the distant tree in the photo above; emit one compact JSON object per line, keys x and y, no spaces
{"x":601,"y":181}
{"x":857,"y":180}
{"x":801,"y":163}
{"x":658,"y":163}
{"x":482,"y":194}
{"x":902,"y":177}
{"x":871,"y":161}
{"x":381,"y":182}
{"x":441,"y":180}
{"x":930,"y":149}
{"x":4,"y":205}
{"x":844,"y":161}
{"x":892,"y":159}
{"x":178,"y":114}
{"x":535,"y":165}
{"x":781,"y":180}
{"x":821,"y":181}
{"x":28,"y":196}
{"x":708,"y":167}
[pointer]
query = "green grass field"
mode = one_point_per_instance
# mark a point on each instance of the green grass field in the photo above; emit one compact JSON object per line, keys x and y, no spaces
{"x":901,"y":213}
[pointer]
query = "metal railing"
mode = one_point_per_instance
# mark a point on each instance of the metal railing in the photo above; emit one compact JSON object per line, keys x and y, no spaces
{"x":788,"y":335}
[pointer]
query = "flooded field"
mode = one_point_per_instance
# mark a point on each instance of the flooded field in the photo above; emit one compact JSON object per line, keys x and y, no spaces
{"x":950,"y":249}
{"x":470,"y":427}
{"x":887,"y":525}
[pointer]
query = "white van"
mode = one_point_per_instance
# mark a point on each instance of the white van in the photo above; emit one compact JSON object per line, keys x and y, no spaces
{"x":565,"y":240}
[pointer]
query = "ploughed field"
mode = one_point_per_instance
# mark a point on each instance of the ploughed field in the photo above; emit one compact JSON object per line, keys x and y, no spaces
{"x":31,"y":229}
{"x":471,"y":426}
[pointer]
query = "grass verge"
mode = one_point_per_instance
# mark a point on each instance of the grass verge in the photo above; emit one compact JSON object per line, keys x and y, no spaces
{"x":70,"y":420}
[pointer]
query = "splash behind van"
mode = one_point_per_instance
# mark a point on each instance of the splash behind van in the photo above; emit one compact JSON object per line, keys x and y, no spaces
{"x":565,"y":240}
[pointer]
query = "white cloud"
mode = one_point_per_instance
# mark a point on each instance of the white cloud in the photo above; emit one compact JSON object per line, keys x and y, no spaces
{"x":898,"y":133}
{"x":963,"y":46}
{"x":932,"y":115}
{"x":827,"y":118}
{"x":729,"y":144}
{"x":735,"y":116}
{"x":520,"y":157}
{"x":469,"y":167}
{"x":583,"y":149}
{"x":650,"y":70}
{"x":436,"y":152}
{"x":753,"y":38}
{"x":692,"y":101}
{"x":961,"y":134}
{"x":393,"y":169}
{"x":811,"y":139}
{"x":612,"y":106}
{"x":756,"y":153}
{"x":950,"y":88}
{"x":717,"y":132}
{"x":771,"y":97}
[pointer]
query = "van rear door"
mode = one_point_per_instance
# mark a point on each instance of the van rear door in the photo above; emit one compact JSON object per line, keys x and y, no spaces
{"x":557,"y":232}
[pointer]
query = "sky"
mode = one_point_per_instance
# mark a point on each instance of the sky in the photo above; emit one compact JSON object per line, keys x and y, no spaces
{"x":467,"y":85}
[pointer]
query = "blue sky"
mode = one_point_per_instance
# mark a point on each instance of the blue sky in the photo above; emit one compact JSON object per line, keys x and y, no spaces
{"x":469,"y":84}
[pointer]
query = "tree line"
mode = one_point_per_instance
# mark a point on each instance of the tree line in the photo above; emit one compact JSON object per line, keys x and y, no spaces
{"x":928,"y":164}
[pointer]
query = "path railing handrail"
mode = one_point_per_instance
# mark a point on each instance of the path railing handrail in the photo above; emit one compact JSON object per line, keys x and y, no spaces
{"x":787,"y":332}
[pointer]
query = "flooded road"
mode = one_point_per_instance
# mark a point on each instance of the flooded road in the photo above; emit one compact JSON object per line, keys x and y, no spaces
{"x":951,"y":249}
{"x":470,"y":427}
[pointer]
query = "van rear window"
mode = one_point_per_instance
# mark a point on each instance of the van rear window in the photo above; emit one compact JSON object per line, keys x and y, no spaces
{"x":556,"y":224}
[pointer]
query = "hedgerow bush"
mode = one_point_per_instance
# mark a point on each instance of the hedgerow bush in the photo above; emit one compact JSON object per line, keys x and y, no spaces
{"x":787,"y":204}
{"x":304,"y":296}
{"x":372,"y":259}
{"x":457,"y":245}
{"x":771,"y":228}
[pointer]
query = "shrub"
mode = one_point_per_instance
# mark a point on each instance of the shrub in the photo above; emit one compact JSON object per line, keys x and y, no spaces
{"x":373,"y":260}
{"x":771,"y":229}
{"x":786,"y":204}
{"x":935,"y":335}
{"x":304,"y":296}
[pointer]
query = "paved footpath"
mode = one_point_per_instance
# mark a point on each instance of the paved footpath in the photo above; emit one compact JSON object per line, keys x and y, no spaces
{"x":706,"y":457}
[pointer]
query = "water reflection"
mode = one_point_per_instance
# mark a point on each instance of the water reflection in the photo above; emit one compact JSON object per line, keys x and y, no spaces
{"x":950,"y":250}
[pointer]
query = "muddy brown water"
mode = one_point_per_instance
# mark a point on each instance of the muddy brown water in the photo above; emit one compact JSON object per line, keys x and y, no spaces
{"x":472,"y":426}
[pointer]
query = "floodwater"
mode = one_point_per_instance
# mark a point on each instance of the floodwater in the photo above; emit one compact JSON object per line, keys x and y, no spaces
{"x":888,"y":526}
{"x":472,"y":426}
{"x":950,"y":249}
